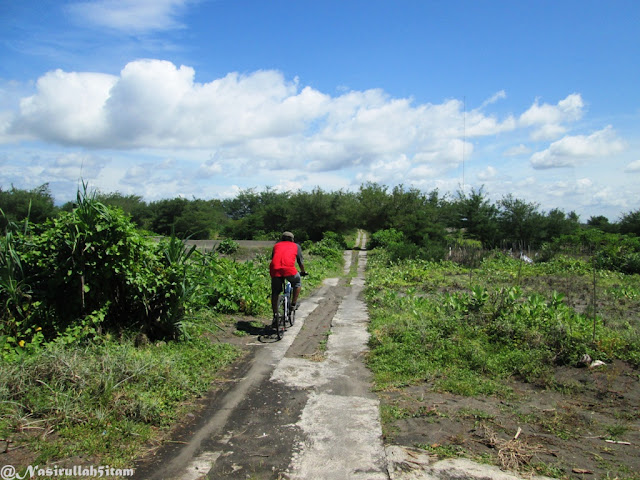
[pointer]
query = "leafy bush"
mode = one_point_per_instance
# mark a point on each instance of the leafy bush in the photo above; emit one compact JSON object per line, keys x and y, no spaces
{"x":227,"y":246}
{"x":88,"y":271}
{"x":398,"y":248}
{"x":330,"y":247}
{"x":385,"y":238}
{"x":228,"y":286}
{"x":334,"y":240}
{"x":610,"y":251}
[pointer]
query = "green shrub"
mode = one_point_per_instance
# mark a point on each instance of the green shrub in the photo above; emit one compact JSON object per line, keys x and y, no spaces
{"x":334,"y":240}
{"x":228,"y":286}
{"x":385,"y":238}
{"x":88,"y":271}
{"x":330,"y":247}
{"x":227,"y":247}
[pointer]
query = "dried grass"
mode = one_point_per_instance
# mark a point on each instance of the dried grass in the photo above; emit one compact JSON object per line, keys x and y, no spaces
{"x":513,"y":453}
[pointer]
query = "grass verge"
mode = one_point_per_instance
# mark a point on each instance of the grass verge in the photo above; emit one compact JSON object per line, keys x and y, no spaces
{"x":103,"y":401}
{"x":489,"y":352}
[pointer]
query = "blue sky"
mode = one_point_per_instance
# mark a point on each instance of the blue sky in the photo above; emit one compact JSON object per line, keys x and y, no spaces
{"x":203,"y":98}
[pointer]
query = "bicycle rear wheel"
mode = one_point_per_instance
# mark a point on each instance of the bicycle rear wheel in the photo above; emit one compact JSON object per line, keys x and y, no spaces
{"x":282,"y":316}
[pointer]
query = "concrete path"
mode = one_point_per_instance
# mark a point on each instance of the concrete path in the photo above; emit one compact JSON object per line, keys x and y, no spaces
{"x":300,"y":418}
{"x":341,"y":433}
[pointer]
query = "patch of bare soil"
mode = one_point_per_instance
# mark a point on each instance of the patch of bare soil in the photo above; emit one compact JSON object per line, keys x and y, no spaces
{"x":311,"y":340}
{"x":247,"y":249}
{"x":587,"y":427}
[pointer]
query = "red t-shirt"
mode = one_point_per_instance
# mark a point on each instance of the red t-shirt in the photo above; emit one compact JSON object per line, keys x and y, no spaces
{"x":283,"y":259}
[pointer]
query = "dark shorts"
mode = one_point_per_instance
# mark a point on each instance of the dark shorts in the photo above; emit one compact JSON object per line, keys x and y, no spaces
{"x":276,"y":282}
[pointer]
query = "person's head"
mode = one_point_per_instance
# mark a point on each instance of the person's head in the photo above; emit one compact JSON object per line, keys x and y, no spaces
{"x":287,"y":236}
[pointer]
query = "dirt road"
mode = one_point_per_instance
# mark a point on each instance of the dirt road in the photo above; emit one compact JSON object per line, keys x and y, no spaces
{"x":302,"y":407}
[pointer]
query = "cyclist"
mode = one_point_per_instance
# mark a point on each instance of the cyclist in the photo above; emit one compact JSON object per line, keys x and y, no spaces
{"x":283,"y":265}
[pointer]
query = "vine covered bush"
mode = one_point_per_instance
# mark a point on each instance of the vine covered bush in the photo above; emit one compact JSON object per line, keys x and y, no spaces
{"x":88,"y":271}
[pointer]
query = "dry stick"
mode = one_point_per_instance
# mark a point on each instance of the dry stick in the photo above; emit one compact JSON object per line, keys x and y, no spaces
{"x":594,"y":299}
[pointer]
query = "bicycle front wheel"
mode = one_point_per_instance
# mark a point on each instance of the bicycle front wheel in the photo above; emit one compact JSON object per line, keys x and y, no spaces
{"x":292,"y":317}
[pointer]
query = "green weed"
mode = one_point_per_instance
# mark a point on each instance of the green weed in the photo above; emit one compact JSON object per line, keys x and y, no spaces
{"x":471,"y":340}
{"x":103,"y":400}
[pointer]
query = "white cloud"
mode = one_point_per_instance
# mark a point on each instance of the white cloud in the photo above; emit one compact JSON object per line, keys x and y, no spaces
{"x":210,"y":168}
{"x":169,"y":135}
{"x":610,"y":196}
{"x":569,"y":188}
{"x":74,"y":165}
{"x":67,"y":108}
{"x":137,"y":16}
{"x":494,"y":98}
{"x":548,"y":132}
{"x":571,"y":151}
{"x":488,"y":173}
{"x":521,"y":149}
{"x":547,"y":120}
{"x":633,"y":167}
{"x":258,"y":117}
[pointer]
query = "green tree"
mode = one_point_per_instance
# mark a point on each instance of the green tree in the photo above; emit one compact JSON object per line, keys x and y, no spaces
{"x":416,"y":215}
{"x":36,"y":204}
{"x":133,"y":205}
{"x":602,"y":223}
{"x":630,"y":223}
{"x":557,"y":223}
{"x":477,"y":217}
{"x":165,"y":214}
{"x":256,"y":215}
{"x":316,"y":212}
{"x":200,"y":219}
{"x":374,"y":203}
{"x":520,"y":222}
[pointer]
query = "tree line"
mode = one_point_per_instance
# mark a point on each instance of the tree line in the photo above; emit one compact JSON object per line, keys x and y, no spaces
{"x":426,"y":220}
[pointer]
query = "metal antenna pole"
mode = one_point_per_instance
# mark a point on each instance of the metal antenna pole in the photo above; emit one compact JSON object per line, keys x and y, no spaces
{"x":464,"y":135}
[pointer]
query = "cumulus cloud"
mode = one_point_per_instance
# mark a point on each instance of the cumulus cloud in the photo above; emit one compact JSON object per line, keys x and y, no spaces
{"x":248,"y":125}
{"x":571,"y":151}
{"x":548,"y":120}
{"x":259,"y":117}
{"x":633,"y":167}
{"x":210,"y":168}
{"x":137,"y":16}
{"x":517,"y":151}
{"x":68,"y":108}
{"x":488,"y":173}
{"x":73,"y":165}
{"x":569,"y":188}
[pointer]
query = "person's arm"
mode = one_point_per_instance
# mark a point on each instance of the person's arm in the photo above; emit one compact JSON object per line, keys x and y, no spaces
{"x":299,"y":259}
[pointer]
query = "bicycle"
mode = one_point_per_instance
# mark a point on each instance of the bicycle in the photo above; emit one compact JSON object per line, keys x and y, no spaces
{"x":285,"y":314}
